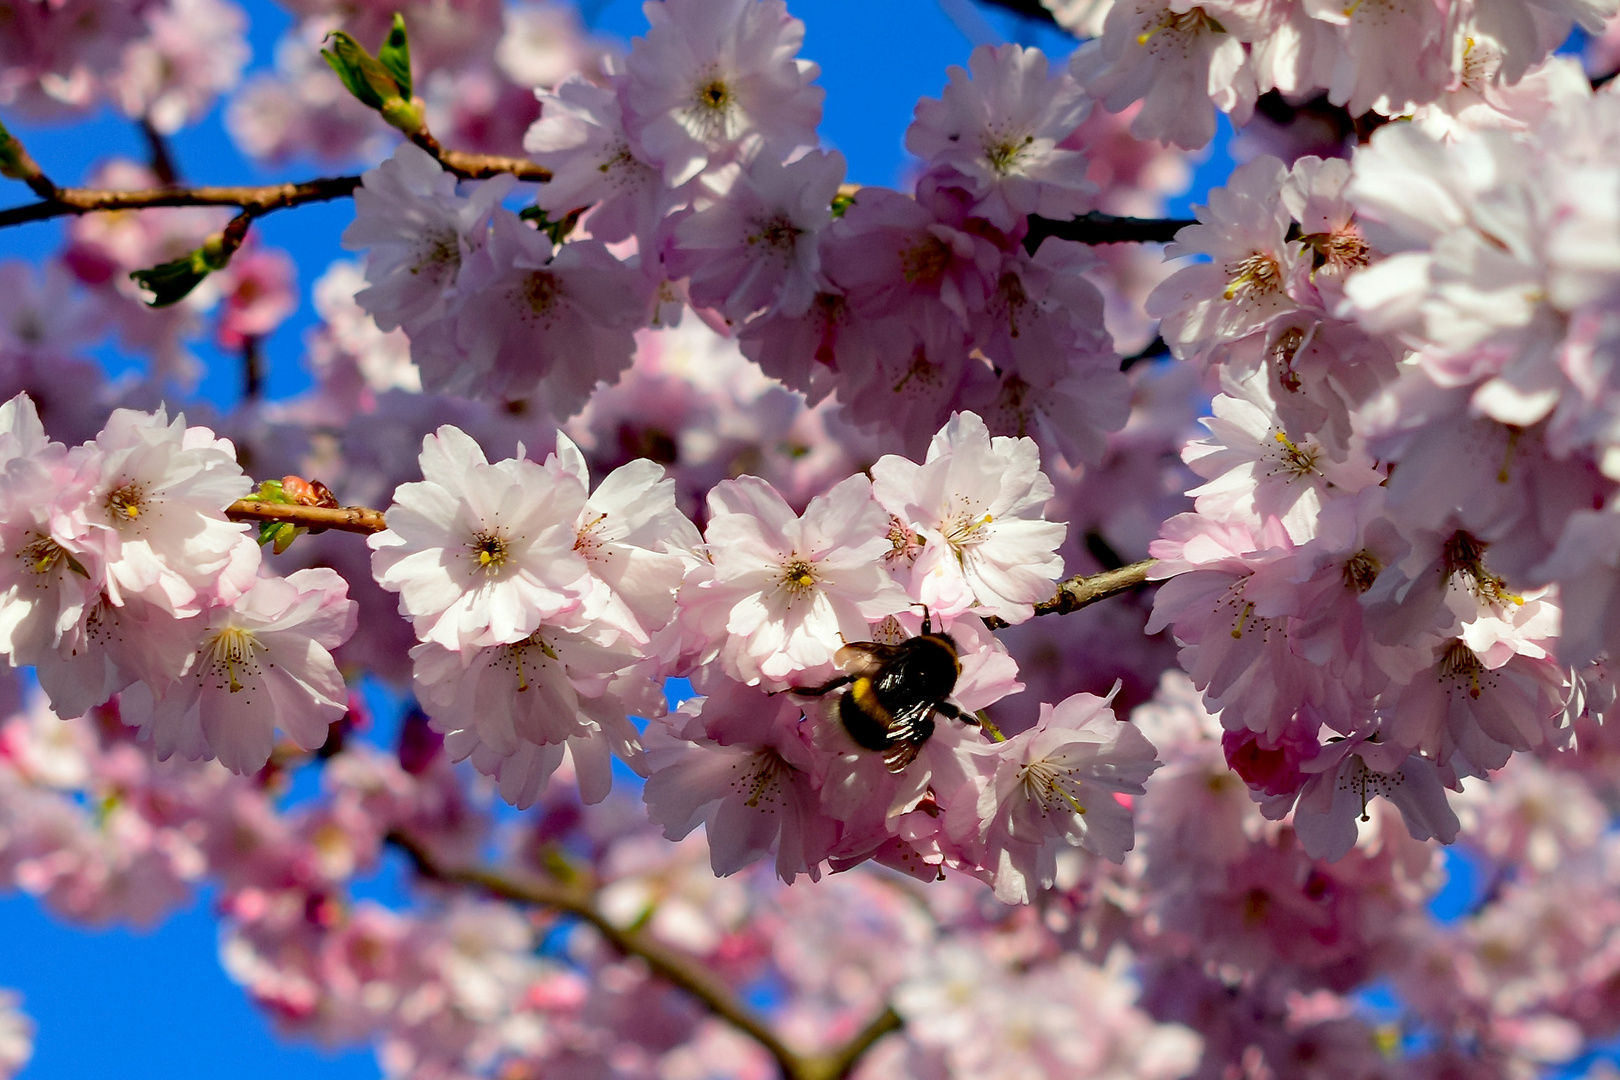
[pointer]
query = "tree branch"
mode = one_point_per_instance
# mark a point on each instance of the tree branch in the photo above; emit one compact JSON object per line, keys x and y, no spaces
{"x":355,"y":519}
{"x":159,"y":155}
{"x":1099,"y":228}
{"x":260,"y":199}
{"x":1079,"y":591}
{"x":1028,"y":9}
{"x":674,"y":967}
{"x":254,"y":200}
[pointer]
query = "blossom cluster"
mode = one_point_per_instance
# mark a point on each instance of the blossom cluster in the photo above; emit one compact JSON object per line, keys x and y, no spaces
{"x":546,"y":613}
{"x":1448,"y":61}
{"x":699,"y":181}
{"x":703,"y":410}
{"x":123,"y":576}
{"x":1396,"y":574}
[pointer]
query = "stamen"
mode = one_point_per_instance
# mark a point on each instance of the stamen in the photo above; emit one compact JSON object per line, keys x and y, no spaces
{"x":232,"y":650}
{"x":1459,"y":664}
{"x":489,"y":549}
{"x":1259,"y":273}
{"x":1464,"y":556}
{"x":126,"y":502}
{"x":1295,"y":459}
{"x":1361,"y":570}
{"x":798,"y":576}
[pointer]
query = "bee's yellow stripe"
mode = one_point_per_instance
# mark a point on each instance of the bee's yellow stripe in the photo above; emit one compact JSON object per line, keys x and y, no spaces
{"x":865,"y":694}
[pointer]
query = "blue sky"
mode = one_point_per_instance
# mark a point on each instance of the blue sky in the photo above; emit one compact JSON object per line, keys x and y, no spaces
{"x":121,"y":1004}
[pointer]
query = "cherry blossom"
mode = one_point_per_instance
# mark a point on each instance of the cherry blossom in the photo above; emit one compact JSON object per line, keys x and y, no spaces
{"x":967,"y":528}
{"x":1001,"y":130}
{"x":715,"y":78}
{"x":787,"y":589}
{"x":480,"y":553}
{"x":260,"y":663}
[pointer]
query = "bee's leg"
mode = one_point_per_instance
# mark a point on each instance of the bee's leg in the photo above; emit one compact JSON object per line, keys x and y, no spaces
{"x":818,"y":691}
{"x":945,"y":708}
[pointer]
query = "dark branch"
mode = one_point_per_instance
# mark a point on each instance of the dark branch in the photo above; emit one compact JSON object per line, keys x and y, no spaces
{"x":252,"y":368}
{"x":676,"y":968}
{"x":158,"y":155}
{"x":1099,"y":228}
{"x":1033,"y":10}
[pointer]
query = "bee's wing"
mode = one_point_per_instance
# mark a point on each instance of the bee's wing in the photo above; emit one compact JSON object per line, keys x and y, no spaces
{"x":910,"y":726}
{"x":899,"y":755}
{"x":866,"y":658}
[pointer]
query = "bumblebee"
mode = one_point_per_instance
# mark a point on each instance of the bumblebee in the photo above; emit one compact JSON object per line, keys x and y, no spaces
{"x":894,"y":692}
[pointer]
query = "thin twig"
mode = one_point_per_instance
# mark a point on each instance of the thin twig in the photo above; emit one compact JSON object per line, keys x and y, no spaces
{"x":355,"y":519}
{"x":159,"y":156}
{"x":1099,"y":228}
{"x":674,"y":967}
{"x":1079,"y":591}
{"x":1033,"y":10}
{"x":252,"y":367}
{"x":18,"y":164}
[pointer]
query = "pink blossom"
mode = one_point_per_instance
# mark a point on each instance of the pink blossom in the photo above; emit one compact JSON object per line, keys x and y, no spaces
{"x":479,"y":553}
{"x":975,"y":508}
{"x":261,"y":293}
{"x":756,"y":245}
{"x":1347,"y":775}
{"x":155,"y":510}
{"x":532,"y":315}
{"x":1174,"y":62}
{"x":738,"y":761}
{"x":16,"y":1035}
{"x":715,"y":79}
{"x":260,"y":663}
{"x":194,"y":51}
{"x":416,"y":231}
{"x":580,"y":137}
{"x":789,"y":590}
{"x":999,"y":133}
{"x":1055,"y":782}
{"x":1252,"y":264}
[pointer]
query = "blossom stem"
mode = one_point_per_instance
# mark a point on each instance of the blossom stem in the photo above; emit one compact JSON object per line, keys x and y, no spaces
{"x":680,"y":970}
{"x":355,"y":519}
{"x":1099,"y":228}
{"x":1081,"y":591}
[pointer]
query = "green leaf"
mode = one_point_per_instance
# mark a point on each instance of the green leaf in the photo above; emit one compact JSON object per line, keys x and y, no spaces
{"x":558,"y":230}
{"x":842,"y":202}
{"x":395,"y":55}
{"x":363,"y":74}
{"x":171,"y":282}
{"x":11,"y":156}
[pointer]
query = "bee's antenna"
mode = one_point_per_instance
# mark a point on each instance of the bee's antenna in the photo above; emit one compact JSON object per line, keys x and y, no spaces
{"x":928,"y":618}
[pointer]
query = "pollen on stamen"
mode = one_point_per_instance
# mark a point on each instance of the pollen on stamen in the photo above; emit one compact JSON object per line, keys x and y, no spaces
{"x":42,"y":554}
{"x":231,"y":655}
{"x":1296,"y":459}
{"x":798,"y":576}
{"x":489,"y":551}
{"x":1257,"y":274}
{"x":126,"y":502}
